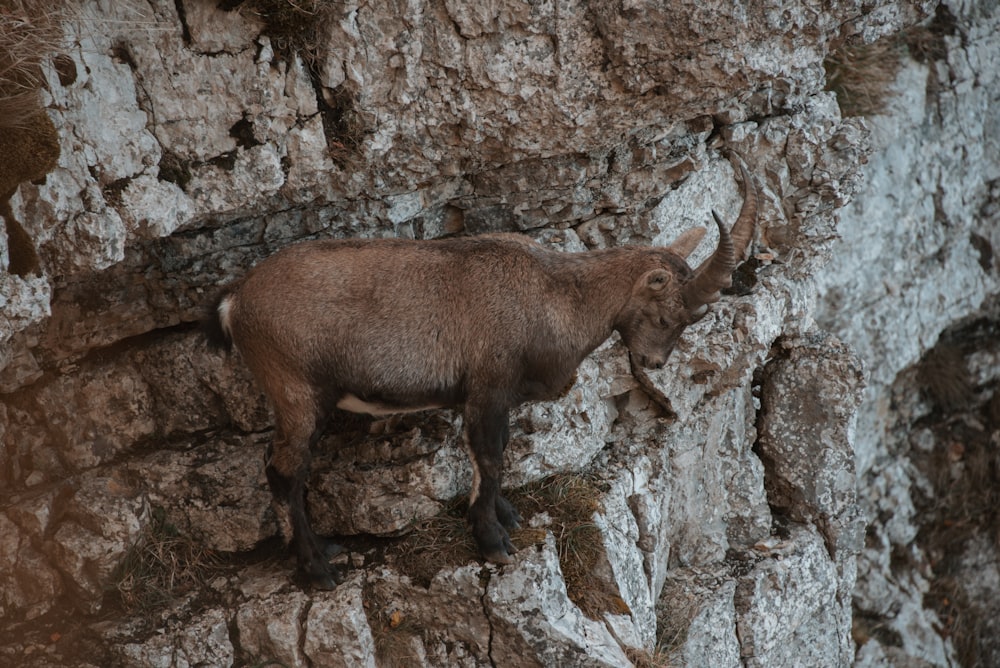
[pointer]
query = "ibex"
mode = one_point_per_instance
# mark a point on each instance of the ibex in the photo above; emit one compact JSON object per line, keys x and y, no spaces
{"x":483,"y":322}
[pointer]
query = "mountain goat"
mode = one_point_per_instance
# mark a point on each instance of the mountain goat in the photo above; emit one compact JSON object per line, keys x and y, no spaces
{"x":484,"y":323}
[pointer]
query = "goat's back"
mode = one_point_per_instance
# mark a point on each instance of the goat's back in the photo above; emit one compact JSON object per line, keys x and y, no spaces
{"x":392,"y":315}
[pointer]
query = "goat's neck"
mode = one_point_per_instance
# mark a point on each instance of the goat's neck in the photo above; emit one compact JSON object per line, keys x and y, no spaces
{"x":604,"y":280}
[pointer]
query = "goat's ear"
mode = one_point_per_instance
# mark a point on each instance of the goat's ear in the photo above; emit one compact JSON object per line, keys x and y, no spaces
{"x":688,"y":241}
{"x":655,"y":281}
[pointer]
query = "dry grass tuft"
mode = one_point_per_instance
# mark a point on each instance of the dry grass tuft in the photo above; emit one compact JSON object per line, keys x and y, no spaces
{"x":570,"y":500}
{"x":862,"y":76}
{"x":393,"y":633}
{"x":292,"y":25}
{"x":30,"y":32}
{"x":163,"y":566}
{"x":672,"y":624}
{"x":435,"y":543}
{"x":641,"y":658}
{"x":926,"y":43}
{"x":944,"y":378}
{"x":961,"y":622}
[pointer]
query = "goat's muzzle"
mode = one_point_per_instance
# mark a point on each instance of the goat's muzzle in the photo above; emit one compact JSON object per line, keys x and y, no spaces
{"x":653,"y":361}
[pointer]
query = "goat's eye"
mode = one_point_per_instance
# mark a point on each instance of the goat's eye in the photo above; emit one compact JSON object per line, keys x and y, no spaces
{"x":664,"y":322}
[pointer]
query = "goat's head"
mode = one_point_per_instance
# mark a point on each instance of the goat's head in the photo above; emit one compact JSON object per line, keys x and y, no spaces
{"x":668,"y":298}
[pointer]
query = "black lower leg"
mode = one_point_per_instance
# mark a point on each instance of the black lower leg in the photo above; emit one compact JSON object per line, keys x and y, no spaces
{"x":489,"y":512}
{"x":311,"y":551}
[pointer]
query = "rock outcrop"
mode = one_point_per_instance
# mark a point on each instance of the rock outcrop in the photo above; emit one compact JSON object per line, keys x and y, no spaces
{"x":197,"y":137}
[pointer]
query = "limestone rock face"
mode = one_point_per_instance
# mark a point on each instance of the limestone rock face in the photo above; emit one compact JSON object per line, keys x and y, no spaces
{"x":806,"y":433}
{"x":891,"y":291}
{"x":199,"y":137}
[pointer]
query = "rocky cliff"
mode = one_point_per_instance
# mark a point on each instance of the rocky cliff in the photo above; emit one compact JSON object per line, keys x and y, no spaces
{"x":786,"y":517}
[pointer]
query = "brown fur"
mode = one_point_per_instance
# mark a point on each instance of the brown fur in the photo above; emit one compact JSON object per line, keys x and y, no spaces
{"x":485,"y":323}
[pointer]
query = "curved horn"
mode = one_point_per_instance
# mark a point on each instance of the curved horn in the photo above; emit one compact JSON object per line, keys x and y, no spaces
{"x":714,"y":273}
{"x":743,"y":228}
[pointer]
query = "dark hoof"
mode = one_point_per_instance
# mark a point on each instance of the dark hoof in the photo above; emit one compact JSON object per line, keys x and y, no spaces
{"x":507,"y":514}
{"x":325,"y":580}
{"x":499,"y":557}
{"x":494,"y":544}
{"x":328,"y":548}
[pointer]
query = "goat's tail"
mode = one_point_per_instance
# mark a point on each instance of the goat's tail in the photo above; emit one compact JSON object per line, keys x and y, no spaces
{"x":215,"y":322}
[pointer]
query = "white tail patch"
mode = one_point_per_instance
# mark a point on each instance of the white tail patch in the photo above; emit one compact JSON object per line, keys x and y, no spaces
{"x":225,"y":315}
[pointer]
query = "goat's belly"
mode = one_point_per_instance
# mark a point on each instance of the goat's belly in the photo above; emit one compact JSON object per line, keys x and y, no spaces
{"x":351,"y":403}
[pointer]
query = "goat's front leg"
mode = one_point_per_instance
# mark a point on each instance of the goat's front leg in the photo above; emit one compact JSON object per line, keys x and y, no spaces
{"x":507,"y":514}
{"x":485,"y":429}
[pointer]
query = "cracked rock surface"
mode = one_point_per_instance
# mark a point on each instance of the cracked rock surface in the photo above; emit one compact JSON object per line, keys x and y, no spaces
{"x":136,"y":525}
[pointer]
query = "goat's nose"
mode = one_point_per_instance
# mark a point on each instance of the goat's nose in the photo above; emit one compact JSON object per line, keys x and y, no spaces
{"x":653,"y":361}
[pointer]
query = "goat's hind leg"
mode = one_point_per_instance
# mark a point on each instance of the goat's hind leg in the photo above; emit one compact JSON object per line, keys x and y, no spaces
{"x":287,"y":470}
{"x":507,"y":514}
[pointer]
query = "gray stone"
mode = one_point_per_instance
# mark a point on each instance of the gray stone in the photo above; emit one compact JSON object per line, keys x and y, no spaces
{"x":215,"y":494}
{"x":201,"y":641}
{"x":337,"y":631}
{"x":28,"y":585}
{"x":270,"y":629}
{"x":104,"y":517}
{"x":22,"y":303}
{"x":809,"y":396}
{"x":531,"y":600}
{"x":92,"y":416}
{"x":789,"y":608}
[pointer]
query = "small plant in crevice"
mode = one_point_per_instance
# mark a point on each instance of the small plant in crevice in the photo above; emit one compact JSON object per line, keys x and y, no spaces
{"x":393,"y":632}
{"x":30,"y":32}
{"x":673,"y":623}
{"x":162,"y":566}
{"x":342,"y":125}
{"x":293,"y":26}
{"x":862,"y":76}
{"x":571,"y":500}
{"x":296,"y":27}
{"x":641,"y":658}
